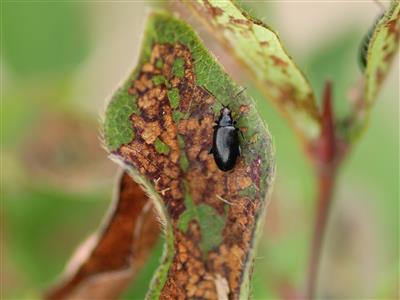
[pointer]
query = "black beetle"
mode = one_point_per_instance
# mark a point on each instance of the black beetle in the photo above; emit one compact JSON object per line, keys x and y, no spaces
{"x":226,"y":147}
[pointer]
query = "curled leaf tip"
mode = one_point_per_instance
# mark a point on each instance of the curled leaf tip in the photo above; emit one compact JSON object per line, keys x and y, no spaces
{"x":382,"y":46}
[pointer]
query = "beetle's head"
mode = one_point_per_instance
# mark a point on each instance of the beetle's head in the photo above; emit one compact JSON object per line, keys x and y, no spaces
{"x":225,"y":118}
{"x":225,"y":111}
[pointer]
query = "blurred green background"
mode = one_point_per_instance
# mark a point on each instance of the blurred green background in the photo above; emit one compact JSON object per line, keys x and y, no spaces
{"x":62,"y":60}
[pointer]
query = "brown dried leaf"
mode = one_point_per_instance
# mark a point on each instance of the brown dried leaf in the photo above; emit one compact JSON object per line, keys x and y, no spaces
{"x":103,"y":266}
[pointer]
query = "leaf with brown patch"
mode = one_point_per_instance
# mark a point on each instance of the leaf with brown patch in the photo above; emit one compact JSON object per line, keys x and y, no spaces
{"x":104,"y":265}
{"x":382,"y":48}
{"x":261,"y":52}
{"x":159,"y":124}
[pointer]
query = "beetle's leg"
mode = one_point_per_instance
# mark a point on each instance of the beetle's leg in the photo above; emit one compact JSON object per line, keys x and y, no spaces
{"x":241,"y":133}
{"x":211,"y":150}
{"x":246,"y":144}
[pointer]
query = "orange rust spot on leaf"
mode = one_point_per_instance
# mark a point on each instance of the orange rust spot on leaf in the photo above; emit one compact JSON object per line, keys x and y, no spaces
{"x":244,"y":109}
{"x":244,"y":22}
{"x":278,"y":61}
{"x":244,"y":182}
{"x":150,"y":132}
{"x":214,"y":11}
{"x":392,"y":27}
{"x":148,"y":68}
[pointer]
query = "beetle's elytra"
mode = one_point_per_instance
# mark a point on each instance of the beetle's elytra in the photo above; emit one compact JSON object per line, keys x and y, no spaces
{"x":226,"y":147}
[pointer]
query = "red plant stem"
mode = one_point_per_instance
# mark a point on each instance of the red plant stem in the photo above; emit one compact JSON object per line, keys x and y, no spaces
{"x":326,"y":180}
{"x":324,"y":155}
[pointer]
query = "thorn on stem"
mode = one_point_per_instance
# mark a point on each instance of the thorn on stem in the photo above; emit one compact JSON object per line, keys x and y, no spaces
{"x":327,"y":142}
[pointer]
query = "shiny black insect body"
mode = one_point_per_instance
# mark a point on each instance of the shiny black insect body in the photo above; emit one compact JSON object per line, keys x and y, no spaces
{"x":226,"y":147}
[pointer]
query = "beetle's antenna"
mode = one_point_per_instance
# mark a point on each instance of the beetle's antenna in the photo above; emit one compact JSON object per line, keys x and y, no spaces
{"x":381,"y":6}
{"x":240,"y":92}
{"x":223,"y":105}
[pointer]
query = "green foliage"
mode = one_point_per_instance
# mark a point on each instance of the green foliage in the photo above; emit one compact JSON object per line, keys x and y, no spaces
{"x":161,"y":147}
{"x":178,"y":68}
{"x":117,"y":127}
{"x":382,"y":48}
{"x":159,"y":79}
{"x":177,"y":115}
{"x":30,"y":215}
{"x":43,"y":37}
{"x":210,"y":222}
{"x":159,"y":63}
{"x":173,"y":96}
{"x":383,"y":45}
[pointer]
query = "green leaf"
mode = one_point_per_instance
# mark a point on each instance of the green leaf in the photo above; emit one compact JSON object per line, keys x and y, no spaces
{"x":178,"y":68}
{"x":211,"y":217}
{"x":258,"y":47}
{"x":382,"y":48}
{"x":173,"y":96}
{"x":212,"y":222}
{"x":161,"y":147}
